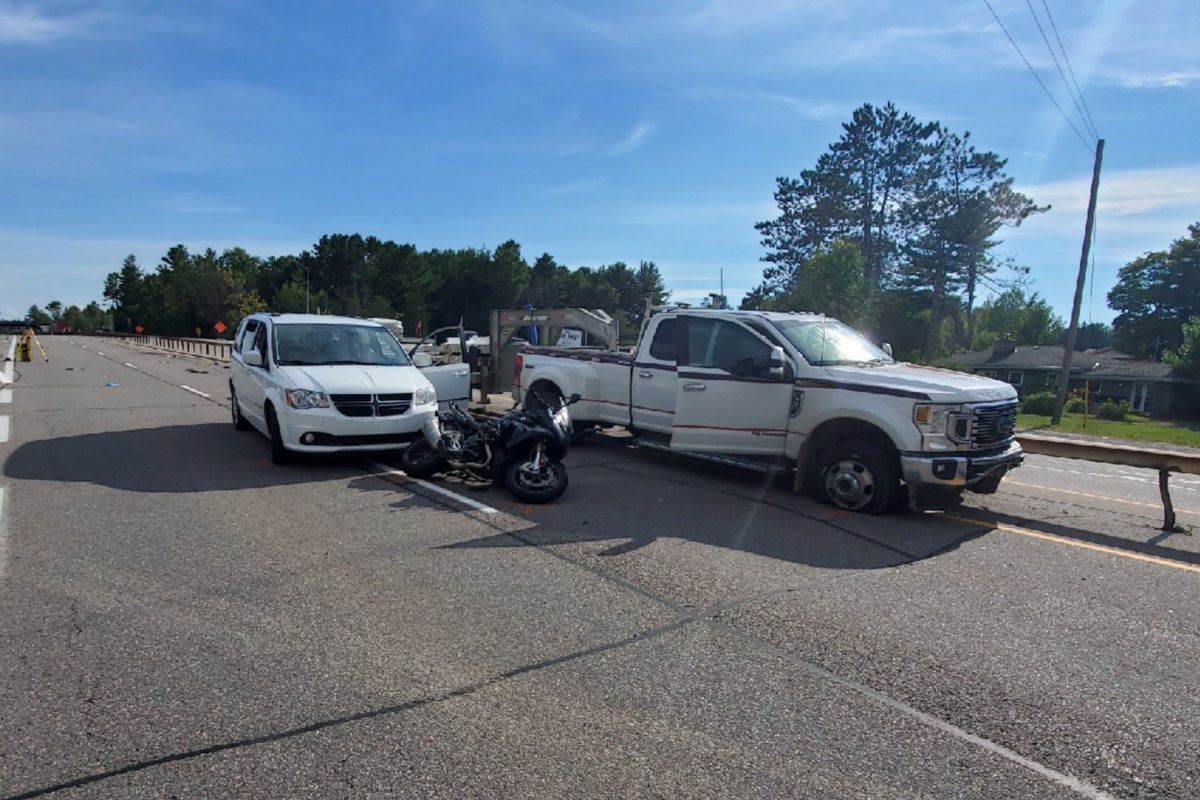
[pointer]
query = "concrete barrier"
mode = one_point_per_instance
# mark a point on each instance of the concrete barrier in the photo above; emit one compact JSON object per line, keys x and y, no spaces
{"x":216,"y":349}
{"x":1128,"y":455}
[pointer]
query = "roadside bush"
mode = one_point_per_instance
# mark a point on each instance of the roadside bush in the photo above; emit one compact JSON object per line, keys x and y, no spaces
{"x":1074,"y":405}
{"x":1041,"y":403}
{"x":1117,"y":412}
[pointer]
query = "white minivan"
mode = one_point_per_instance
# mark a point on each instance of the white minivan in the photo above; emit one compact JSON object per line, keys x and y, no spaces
{"x":325,"y":384}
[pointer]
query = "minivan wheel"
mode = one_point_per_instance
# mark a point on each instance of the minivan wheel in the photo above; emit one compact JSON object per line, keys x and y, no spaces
{"x":239,"y":422}
{"x":279,"y":453}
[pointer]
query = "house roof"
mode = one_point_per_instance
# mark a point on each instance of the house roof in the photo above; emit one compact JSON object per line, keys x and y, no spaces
{"x":1093,"y":364}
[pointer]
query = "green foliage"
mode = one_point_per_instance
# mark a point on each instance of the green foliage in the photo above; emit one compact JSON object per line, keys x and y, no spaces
{"x":1116,"y":412}
{"x":1038,"y":403}
{"x":37,"y":316}
{"x":1094,"y":336}
{"x":1026,"y":320}
{"x":921,"y":205}
{"x":364,"y":276}
{"x":1074,"y":404}
{"x":1186,"y":358}
{"x":1156,"y":295}
{"x":831,"y":282}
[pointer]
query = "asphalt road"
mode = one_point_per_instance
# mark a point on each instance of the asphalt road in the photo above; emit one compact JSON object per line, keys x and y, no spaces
{"x":180,"y":618}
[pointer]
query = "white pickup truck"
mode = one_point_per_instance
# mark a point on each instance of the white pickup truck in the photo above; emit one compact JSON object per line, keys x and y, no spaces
{"x":757,"y":387}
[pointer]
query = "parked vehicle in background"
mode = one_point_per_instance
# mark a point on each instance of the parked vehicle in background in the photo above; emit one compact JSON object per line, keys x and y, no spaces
{"x":324,"y":384}
{"x":761,"y":387}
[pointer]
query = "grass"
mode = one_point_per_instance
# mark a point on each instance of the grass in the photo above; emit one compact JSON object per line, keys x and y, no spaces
{"x":1137,"y":429}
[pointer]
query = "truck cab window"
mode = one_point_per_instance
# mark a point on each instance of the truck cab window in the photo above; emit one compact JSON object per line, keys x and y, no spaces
{"x":723,"y":345}
{"x":663,"y":346}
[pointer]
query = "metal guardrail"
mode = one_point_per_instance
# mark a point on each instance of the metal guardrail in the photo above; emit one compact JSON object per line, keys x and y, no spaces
{"x":1164,"y":462}
{"x":217,"y":349}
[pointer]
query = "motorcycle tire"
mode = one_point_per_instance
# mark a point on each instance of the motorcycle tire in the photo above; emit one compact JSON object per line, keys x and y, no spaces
{"x":538,"y":487}
{"x":419,"y":460}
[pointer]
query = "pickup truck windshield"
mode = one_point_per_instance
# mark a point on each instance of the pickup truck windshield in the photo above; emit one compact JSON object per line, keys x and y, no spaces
{"x":825,"y":343}
{"x":298,"y":344}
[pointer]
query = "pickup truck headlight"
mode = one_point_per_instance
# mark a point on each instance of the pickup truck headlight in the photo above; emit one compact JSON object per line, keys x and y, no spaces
{"x":304,"y":398}
{"x":940,"y":425}
{"x":425,"y":396}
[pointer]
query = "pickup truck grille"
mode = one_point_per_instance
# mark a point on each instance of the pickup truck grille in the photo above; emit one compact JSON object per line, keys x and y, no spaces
{"x":992,"y":426}
{"x":372,"y":405}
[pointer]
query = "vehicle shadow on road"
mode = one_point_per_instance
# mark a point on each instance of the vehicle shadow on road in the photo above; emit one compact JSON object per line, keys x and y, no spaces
{"x":209,"y":457}
{"x":624,"y":503}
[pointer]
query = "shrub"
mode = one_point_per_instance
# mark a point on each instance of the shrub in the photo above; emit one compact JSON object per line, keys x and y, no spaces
{"x":1074,"y":405}
{"x":1041,"y":403}
{"x":1114,"y":411}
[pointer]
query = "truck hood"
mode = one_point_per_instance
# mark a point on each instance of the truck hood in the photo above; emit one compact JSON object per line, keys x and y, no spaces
{"x":938,"y":385}
{"x":357,"y":379}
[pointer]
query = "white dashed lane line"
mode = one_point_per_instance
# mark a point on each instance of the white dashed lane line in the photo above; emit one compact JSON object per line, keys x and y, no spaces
{"x":384,"y":471}
{"x":3,"y":536}
{"x":3,"y":428}
{"x":195,"y":391}
{"x":127,"y":364}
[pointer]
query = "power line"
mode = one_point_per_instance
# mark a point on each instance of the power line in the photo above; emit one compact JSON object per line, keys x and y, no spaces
{"x":1037,"y":77}
{"x":1087,"y":112}
{"x":1061,"y":74}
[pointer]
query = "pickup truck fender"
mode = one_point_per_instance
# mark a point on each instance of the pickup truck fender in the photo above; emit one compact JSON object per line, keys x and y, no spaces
{"x":604,"y":400}
{"x":809,"y":434}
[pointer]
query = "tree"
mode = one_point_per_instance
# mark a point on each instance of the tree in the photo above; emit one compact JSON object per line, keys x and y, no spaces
{"x":1026,"y":320}
{"x":55,"y":309}
{"x":37,"y":316}
{"x":854,"y":192}
{"x":1156,"y":295}
{"x":833,"y":282}
{"x":715,"y":300}
{"x":1093,"y":336}
{"x":1186,"y":358}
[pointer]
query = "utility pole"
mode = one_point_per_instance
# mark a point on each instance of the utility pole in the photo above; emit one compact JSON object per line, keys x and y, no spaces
{"x":1064,"y":377}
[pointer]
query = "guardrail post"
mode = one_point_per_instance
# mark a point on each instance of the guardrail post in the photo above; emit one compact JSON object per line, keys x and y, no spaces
{"x":1168,"y":509}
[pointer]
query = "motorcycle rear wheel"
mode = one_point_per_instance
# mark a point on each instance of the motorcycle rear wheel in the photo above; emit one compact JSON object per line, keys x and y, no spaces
{"x":536,"y":486}
{"x":419,"y":460}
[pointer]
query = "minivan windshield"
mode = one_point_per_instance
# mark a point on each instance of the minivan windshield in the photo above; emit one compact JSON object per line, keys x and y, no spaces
{"x":827,"y":343}
{"x":301,"y":344}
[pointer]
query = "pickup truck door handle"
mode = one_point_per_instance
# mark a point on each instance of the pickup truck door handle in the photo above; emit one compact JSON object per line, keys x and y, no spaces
{"x":694,"y":387}
{"x":645,"y":374}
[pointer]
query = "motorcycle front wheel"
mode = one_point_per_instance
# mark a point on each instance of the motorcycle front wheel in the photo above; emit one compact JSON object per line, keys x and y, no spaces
{"x":420,"y":460}
{"x":535,"y":486}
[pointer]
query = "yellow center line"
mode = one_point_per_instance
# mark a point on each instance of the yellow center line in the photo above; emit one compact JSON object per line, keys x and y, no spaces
{"x":1157,"y":506}
{"x":1099,"y":548}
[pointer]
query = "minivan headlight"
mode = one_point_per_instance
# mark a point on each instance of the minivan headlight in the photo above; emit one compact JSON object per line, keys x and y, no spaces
{"x":425,"y":396}
{"x":304,"y":398}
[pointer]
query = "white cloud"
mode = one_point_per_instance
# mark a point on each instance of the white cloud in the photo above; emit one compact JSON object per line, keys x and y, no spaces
{"x":1162,"y":80}
{"x":632,"y":140}
{"x":1126,"y":193}
{"x":22,"y":24}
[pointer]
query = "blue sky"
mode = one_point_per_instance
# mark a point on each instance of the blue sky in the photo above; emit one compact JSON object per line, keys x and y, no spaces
{"x":597,"y":132}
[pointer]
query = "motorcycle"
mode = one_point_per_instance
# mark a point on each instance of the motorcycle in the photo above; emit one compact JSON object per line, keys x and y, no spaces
{"x":523,"y":450}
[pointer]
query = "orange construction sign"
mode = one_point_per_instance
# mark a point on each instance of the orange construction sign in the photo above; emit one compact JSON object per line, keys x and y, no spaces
{"x":219,"y":327}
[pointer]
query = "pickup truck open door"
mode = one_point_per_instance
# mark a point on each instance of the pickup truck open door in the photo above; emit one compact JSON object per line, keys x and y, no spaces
{"x":734,"y":390}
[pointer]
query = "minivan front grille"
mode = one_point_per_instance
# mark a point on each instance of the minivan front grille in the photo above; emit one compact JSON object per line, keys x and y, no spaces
{"x":372,"y":405}
{"x":992,"y":426}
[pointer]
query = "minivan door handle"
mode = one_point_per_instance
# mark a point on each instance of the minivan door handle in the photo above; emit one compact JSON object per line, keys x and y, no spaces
{"x":694,"y":387}
{"x":645,"y":374}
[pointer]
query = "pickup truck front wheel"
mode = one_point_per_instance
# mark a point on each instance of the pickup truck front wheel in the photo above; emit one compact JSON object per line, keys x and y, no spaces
{"x":858,"y":476}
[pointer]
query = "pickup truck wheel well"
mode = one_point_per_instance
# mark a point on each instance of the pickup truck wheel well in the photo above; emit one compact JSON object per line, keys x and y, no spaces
{"x":837,"y":431}
{"x":540,"y":389}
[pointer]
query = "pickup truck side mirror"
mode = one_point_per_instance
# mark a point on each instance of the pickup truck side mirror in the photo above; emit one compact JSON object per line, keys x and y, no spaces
{"x":775,"y":364}
{"x":252,"y":358}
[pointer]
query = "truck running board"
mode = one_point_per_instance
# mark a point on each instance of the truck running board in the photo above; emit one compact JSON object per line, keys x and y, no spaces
{"x":772,"y":469}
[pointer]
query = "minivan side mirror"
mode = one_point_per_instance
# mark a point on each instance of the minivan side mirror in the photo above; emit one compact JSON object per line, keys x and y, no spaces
{"x":252,"y":358}
{"x":421,"y":359}
{"x":887,"y":348}
{"x":775,"y":364}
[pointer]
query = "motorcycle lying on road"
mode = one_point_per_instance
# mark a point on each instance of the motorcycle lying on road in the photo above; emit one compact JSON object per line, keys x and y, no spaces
{"x":523,"y":450}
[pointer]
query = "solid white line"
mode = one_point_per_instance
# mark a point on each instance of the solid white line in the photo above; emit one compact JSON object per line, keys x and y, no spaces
{"x":194,"y":391}
{"x":384,"y":469}
{"x":3,"y":536}
{"x":3,"y":428}
{"x":5,"y":396}
{"x":9,"y":365}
